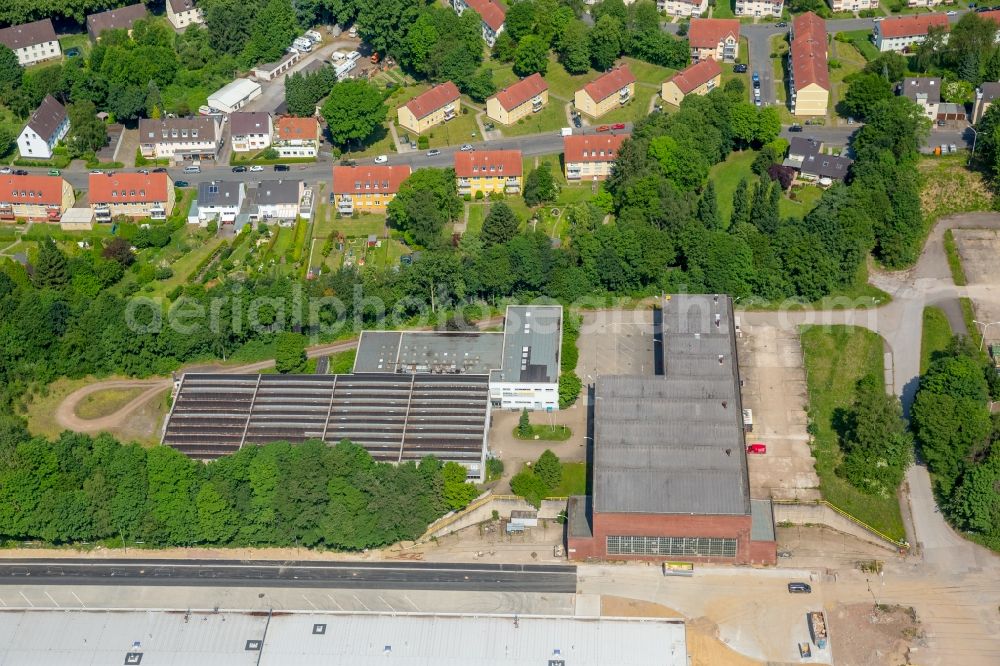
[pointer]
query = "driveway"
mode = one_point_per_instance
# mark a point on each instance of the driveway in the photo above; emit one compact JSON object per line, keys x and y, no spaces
{"x":759,"y":42}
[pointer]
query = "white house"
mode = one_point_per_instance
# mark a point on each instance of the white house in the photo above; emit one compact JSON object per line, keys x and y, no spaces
{"x":234,"y":96}
{"x":898,"y":34}
{"x":46,"y":127}
{"x":278,"y":200}
{"x":760,"y":8}
{"x":182,"y":13}
{"x":491,"y":13}
{"x":250,"y":131}
{"x":296,"y":137}
{"x":218,"y":200}
{"x":683,"y":7}
{"x":32,"y":42}
{"x":193,"y":138}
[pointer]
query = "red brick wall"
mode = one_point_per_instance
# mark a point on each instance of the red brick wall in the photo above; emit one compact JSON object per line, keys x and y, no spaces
{"x":629,"y":524}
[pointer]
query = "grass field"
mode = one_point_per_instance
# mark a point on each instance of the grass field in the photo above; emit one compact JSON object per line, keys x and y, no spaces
{"x":727,"y":176}
{"x":574,"y":480}
{"x":861,"y":40}
{"x":948,"y":186}
{"x":851,"y":62}
{"x":564,"y":85}
{"x":551,"y":118}
{"x":806,"y":198}
{"x":935,"y":336}
{"x":342,"y":363}
{"x":477,"y":213}
{"x":100,"y":404}
{"x":954,"y":260}
{"x":836,"y":357}
{"x":186,"y":264}
{"x":547,"y":433}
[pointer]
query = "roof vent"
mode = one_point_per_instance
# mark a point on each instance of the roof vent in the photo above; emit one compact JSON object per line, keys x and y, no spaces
{"x":720,"y":358}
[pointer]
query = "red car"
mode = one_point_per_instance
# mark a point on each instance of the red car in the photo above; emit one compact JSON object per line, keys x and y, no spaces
{"x":618,"y":126}
{"x":603,"y":128}
{"x":757,"y":447}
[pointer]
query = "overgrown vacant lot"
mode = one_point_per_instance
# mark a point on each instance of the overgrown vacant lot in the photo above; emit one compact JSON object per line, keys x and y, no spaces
{"x":949,"y":187}
{"x":836,"y":358}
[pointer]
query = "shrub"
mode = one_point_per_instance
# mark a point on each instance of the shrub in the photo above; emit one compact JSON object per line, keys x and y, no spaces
{"x":494,"y":468}
{"x":549,"y":469}
{"x":423,"y":142}
{"x":163,"y":273}
{"x":479,"y":195}
{"x":569,"y":389}
{"x":529,"y":486}
{"x":524,"y":424}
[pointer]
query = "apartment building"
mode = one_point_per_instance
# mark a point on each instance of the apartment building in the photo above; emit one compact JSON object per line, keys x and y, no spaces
{"x":852,"y":5}
{"x":32,"y":42}
{"x":519,"y":100}
{"x":278,"y":200}
{"x":682,"y":7}
{"x":491,"y":13}
{"x":760,"y":8}
{"x":607,"y":92}
{"x":296,"y":137}
{"x":34,"y":198}
{"x":182,"y":13}
{"x":438,"y":105}
{"x":250,"y":131}
{"x":591,"y":156}
{"x":46,"y":127}
{"x":134,"y":195}
{"x":700,"y":78}
{"x":808,"y":75}
{"x":191,"y":138}
{"x":115,"y":19}
{"x":718,"y":39}
{"x":366,"y":189}
{"x":899,"y":34}
{"x":986,"y":94}
{"x":489,"y":172}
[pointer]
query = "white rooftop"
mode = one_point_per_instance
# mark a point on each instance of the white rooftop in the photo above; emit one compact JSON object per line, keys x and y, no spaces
{"x":153,"y":638}
{"x":233,"y":93}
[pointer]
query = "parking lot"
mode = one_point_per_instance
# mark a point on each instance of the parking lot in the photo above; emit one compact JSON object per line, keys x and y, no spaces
{"x":979,"y":249}
{"x":774,"y":388}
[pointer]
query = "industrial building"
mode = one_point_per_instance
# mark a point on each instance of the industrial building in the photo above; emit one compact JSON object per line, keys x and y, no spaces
{"x":669,"y":464}
{"x":258,"y":638}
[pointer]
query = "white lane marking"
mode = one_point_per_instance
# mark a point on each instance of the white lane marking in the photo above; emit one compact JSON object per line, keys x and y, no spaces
{"x":45,"y":592}
{"x":386,"y":603}
{"x":335,"y":602}
{"x":407,"y":600}
{"x":3,"y":602}
{"x":315,"y":607}
{"x":28,"y":600}
{"x":82,"y":605}
{"x":361,"y":602}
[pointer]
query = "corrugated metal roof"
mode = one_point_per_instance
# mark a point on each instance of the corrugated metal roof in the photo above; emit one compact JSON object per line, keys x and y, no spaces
{"x":419,"y":352}
{"x":761,"y":520}
{"x":220,"y":639}
{"x":675,"y":444}
{"x":532,"y":340}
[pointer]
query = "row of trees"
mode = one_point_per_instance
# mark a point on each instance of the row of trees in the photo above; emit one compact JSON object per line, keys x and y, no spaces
{"x":536,"y":482}
{"x":79,"y":488}
{"x":959,"y":439}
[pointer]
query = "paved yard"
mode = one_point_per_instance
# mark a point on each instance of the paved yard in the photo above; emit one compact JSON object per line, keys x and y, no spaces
{"x":774,"y":387}
{"x":979,"y":249}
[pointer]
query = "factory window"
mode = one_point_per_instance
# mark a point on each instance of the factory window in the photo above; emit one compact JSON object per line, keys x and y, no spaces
{"x":688,"y":546}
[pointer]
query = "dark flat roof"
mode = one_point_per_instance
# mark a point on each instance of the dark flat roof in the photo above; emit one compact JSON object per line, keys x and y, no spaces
{"x":532,"y":338}
{"x":674,"y":444}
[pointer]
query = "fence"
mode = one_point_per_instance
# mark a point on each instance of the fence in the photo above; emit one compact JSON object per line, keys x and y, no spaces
{"x":482,"y":508}
{"x":820,"y":511}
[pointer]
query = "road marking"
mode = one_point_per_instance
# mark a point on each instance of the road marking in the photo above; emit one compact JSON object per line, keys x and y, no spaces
{"x":335,"y":602}
{"x":386,"y":603}
{"x":361,"y":602}
{"x":315,"y":607}
{"x":82,"y":605}
{"x":46,"y":593}
{"x":407,"y":599}
{"x":3,"y":602}
{"x":28,"y":600}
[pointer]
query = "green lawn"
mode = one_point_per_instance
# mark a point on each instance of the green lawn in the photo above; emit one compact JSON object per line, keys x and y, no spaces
{"x":861,"y":40}
{"x":836,"y":357}
{"x":574,"y":480}
{"x":342,"y":363}
{"x":723,"y":10}
{"x":727,"y":176}
{"x":935,"y":336}
{"x":551,"y":118}
{"x":477,"y":213}
{"x":80,"y":41}
{"x":458,"y":130}
{"x":954,"y":260}
{"x":806,"y":198}
{"x":558,"y":433}
{"x":503,"y":74}
{"x":636,"y":109}
{"x":851,"y":62}
{"x":564,"y":85}
{"x":362,"y":227}
{"x":648,"y":73}
{"x":185,"y":265}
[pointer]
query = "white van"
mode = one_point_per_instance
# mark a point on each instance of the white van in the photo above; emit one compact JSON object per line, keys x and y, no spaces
{"x":337,"y":56}
{"x":303,"y":44}
{"x":192,"y":169}
{"x":314,"y":36}
{"x":354,"y":56}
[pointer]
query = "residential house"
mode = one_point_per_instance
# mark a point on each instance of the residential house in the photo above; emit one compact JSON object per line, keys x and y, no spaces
{"x":923,"y":3}
{"x":296,"y":137}
{"x":489,"y":172}
{"x":808,"y":76}
{"x":518,"y":100}
{"x":366,"y":189}
{"x":714,"y":38}
{"x":852,"y":5}
{"x":234,"y":95}
{"x":898,"y":34}
{"x":182,"y":13}
{"x":135,"y":195}
{"x":606,"y":92}
{"x":218,"y":200}
{"x":438,"y":105}
{"x":34,"y":198}
{"x":807,"y":157}
{"x":278,"y":200}
{"x":46,"y":127}
{"x":761,"y":8}
{"x":993,"y":15}
{"x":491,"y":13}
{"x":115,"y":19}
{"x":250,"y":131}
{"x":985,"y":95}
{"x":700,"y":78}
{"x":682,"y":7}
{"x":272,"y":70}
{"x":32,"y":42}
{"x":191,"y":138}
{"x":591,"y":156}
{"x":924,"y":91}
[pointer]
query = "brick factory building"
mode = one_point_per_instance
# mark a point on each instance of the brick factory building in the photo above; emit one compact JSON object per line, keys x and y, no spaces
{"x":670,"y":479}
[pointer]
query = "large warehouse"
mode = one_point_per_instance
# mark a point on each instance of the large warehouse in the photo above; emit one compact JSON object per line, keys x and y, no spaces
{"x":412,"y":394}
{"x":669,"y":467}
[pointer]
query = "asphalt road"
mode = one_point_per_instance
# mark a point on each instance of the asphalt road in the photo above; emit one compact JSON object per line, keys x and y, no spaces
{"x":347,"y":575}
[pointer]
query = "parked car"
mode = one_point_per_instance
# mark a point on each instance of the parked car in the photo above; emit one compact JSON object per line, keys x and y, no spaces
{"x":757,"y":447}
{"x":618,"y":126}
{"x":757,"y":101}
{"x":799,"y":588}
{"x":756,"y":76}
{"x":433,"y":152}
{"x":781,"y":24}
{"x":739,"y":69}
{"x":20,"y":172}
{"x":239,"y":169}
{"x":466,"y":147}
{"x":54,"y":172}
{"x":603,"y":128}
{"x":952,"y":13}
{"x":181,"y":183}
{"x":144,"y":172}
{"x":577,"y":121}
{"x":159,"y":170}
{"x":6,"y":170}
{"x":795,"y":128}
{"x":96,"y":172}
{"x":256,"y":167}
{"x":192,"y":169}
{"x":281,"y":167}
{"x":878,"y":18}
{"x":347,"y":162}
{"x":381,"y":159}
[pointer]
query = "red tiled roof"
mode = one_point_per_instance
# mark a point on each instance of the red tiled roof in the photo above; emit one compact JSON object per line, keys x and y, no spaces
{"x":518,"y":93}
{"x":380,"y":179}
{"x":485,"y":162}
{"x":610,"y":83}
{"x":910,"y":26}
{"x":991,"y":15}
{"x":45,"y":190}
{"x":696,"y":75}
{"x":432,"y":100}
{"x":128,"y":187}
{"x":808,"y":49}
{"x":491,"y":13}
{"x":290,"y":128}
{"x":707,"y":33}
{"x":588,"y":147}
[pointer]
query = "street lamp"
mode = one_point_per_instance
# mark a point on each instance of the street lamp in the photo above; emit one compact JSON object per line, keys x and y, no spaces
{"x":975,"y":135}
{"x":986,"y":327}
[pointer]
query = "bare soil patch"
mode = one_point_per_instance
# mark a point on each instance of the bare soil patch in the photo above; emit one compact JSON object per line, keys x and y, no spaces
{"x":705,"y":648}
{"x":612,"y":606}
{"x":864,"y":635}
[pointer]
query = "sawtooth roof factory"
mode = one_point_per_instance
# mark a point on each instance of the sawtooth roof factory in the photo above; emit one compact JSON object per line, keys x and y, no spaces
{"x":669,"y":467}
{"x":411,"y":394}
